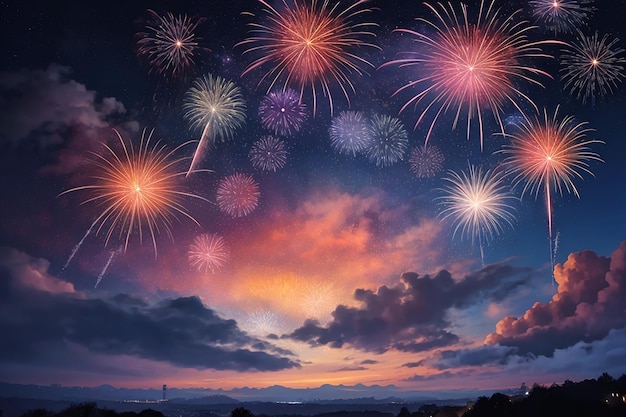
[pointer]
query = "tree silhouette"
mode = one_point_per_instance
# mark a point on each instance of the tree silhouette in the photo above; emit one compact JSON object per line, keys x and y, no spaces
{"x":241,"y":412}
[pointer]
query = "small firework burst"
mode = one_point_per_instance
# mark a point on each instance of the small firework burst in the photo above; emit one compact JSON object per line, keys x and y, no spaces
{"x":592,"y":67}
{"x":388,"y":140}
{"x":426,"y":161}
{"x":262,"y":322}
{"x":268,"y":154}
{"x":282,"y":112}
{"x":562,"y":16}
{"x":208,"y":252}
{"x":169,"y":43}
{"x":349,"y":132}
{"x":238,"y":195}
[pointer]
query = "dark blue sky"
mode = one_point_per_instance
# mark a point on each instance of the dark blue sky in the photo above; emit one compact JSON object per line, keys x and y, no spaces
{"x":335,"y":240}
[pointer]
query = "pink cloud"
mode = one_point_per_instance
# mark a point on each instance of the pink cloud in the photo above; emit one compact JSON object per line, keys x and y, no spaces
{"x":589,"y":303}
{"x":33,"y":273}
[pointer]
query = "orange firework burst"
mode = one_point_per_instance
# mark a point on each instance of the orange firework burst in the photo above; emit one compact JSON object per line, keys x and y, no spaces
{"x":310,"y":45}
{"x":137,"y":189}
{"x":473,"y":65}
{"x":549,"y":153}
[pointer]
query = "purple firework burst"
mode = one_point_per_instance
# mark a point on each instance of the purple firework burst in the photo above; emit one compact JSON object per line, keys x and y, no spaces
{"x":282,"y":112}
{"x":349,"y":132}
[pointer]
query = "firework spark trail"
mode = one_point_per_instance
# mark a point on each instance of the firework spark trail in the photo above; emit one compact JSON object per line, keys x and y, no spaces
{"x":549,"y":153}
{"x":106,"y":266}
{"x":473,"y":65}
{"x":217,"y":106}
{"x":310,"y":45}
{"x":137,"y":189}
{"x":554,"y":247}
{"x":78,"y":245}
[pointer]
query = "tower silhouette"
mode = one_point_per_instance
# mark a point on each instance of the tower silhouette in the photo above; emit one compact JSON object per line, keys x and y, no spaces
{"x":164,"y":391}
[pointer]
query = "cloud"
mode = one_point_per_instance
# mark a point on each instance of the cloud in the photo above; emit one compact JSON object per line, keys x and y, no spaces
{"x":36,"y":103}
{"x":30,"y":273}
{"x":589,"y":303}
{"x":411,"y":316}
{"x":42,"y":314}
{"x":47,"y":110}
{"x":452,"y":359}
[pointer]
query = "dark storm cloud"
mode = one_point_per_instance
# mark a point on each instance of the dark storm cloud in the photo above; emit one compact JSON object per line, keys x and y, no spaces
{"x":451,"y":359}
{"x":181,"y":331}
{"x":590,"y":301}
{"x":411,"y":316}
{"x":39,"y":105}
{"x":441,"y":375}
{"x":47,"y":109}
{"x":414,"y":364}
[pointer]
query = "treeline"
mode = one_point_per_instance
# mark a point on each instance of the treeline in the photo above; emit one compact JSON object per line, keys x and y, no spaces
{"x":90,"y":409}
{"x":602,"y":397}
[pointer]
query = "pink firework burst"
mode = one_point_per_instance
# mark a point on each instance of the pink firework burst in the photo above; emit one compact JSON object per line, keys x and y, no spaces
{"x":238,"y":195}
{"x":549,"y":153}
{"x":282,"y":112}
{"x":310,"y":45}
{"x":470,"y":65}
{"x":208,"y":252}
{"x":169,"y":43}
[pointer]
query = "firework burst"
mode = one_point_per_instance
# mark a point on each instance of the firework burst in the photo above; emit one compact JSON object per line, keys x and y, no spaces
{"x":561,"y":15}
{"x":478,"y":203}
{"x":169,"y":42}
{"x":208,"y":252}
{"x":310,"y":45}
{"x":216,"y":106}
{"x":282,"y":112}
{"x":268,"y":154}
{"x":349,"y":132}
{"x":549,"y":153}
{"x":426,"y":161}
{"x":138,"y":190}
{"x":471,"y":65}
{"x":238,"y":195}
{"x":591,"y":66}
{"x":388,"y":140}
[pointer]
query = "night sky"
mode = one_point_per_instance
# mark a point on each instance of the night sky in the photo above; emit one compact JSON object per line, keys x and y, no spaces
{"x":345,"y":271}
